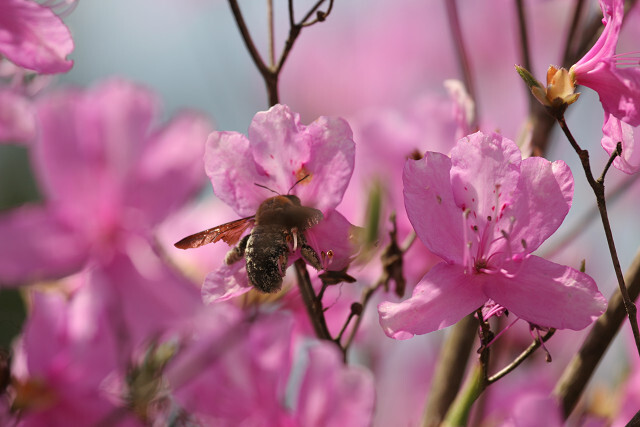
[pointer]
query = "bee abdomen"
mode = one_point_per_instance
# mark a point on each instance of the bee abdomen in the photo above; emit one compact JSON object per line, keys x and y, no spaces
{"x":267,"y":254}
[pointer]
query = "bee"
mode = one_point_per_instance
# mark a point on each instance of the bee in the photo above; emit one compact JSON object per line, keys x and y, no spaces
{"x":278,"y":230}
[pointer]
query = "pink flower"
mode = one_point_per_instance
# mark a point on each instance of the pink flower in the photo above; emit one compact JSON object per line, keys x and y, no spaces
{"x":33,"y":37}
{"x":106,"y":175}
{"x":109,"y":177}
{"x":67,"y":351}
{"x":236,"y":372}
{"x":279,"y":152}
{"x":618,"y":88}
{"x":17,"y":122}
{"x":484,"y":211}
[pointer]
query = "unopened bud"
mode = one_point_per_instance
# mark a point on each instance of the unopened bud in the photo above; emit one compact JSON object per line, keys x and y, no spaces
{"x":559,"y":92}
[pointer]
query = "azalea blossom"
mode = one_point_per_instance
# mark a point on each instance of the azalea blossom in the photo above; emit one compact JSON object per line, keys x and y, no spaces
{"x":34,"y":37}
{"x":235,"y":372}
{"x":484,"y":211}
{"x":68,"y":349}
{"x":617,"y":85}
{"x":280,"y":155}
{"x":108,"y":177}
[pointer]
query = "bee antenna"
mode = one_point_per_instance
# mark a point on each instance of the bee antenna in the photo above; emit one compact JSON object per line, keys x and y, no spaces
{"x":264,"y":186}
{"x":298,"y":181}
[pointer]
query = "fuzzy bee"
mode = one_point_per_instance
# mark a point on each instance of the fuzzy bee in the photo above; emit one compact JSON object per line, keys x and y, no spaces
{"x":278,"y":230}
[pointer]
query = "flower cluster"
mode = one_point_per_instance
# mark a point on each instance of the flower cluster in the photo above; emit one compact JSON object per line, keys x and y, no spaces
{"x":410,"y":192}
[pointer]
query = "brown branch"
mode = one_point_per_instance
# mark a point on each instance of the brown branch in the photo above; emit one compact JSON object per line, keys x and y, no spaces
{"x":598,"y":190}
{"x":311,"y":301}
{"x":463,"y":57}
{"x":452,"y":364}
{"x":571,"y":384}
{"x":521,"y":358}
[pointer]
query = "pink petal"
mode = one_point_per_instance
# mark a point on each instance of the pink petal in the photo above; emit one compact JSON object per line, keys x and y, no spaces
{"x":333,"y":233}
{"x":443,"y":296}
{"x":614,"y":131}
{"x":36,"y":245}
{"x":543,"y":198}
{"x":278,"y":153}
{"x":226,"y":282}
{"x":534,"y":410}
{"x":484,"y":175}
{"x":42,"y":334}
{"x":147,"y":295}
{"x":33,"y":37}
{"x":428,"y":198}
{"x":166,"y":176}
{"x":233,"y":173}
{"x":547,"y":294}
{"x":17,"y":119}
{"x":71,"y":341}
{"x":618,"y":89}
{"x":89,"y":146}
{"x":237,"y":378}
{"x":334,"y":394}
{"x":280,"y":145}
{"x":330,"y":165}
{"x":605,"y":46}
{"x":463,"y":107}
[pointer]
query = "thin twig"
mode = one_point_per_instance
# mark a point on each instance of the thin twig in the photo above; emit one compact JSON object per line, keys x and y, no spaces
{"x":452,"y":364}
{"x":366,"y":297}
{"x":313,"y":304}
{"x":272,"y":47}
{"x":463,"y":57}
{"x":617,"y":152}
{"x":598,"y":190}
{"x":574,"y":379}
{"x":524,"y":39}
{"x":246,"y":36}
{"x":573,"y":28}
{"x":521,"y":358}
{"x":578,"y":226}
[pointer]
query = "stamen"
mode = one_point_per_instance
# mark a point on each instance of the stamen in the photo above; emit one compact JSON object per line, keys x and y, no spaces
{"x":627,"y":59}
{"x":467,"y":260}
{"x":502,"y":331}
{"x":538,"y":337}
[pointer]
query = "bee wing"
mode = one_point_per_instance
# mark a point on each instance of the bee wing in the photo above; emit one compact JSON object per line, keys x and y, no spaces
{"x":230,"y":232}
{"x":311,"y":217}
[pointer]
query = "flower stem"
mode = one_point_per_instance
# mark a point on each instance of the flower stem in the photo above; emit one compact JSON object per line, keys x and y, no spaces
{"x":452,"y":364}
{"x":271,"y":74}
{"x":524,"y":42}
{"x":577,"y":373}
{"x":458,"y":414}
{"x":521,"y":358}
{"x":598,"y":190}
{"x":463,"y":57}
{"x":311,"y":301}
{"x":575,"y":20}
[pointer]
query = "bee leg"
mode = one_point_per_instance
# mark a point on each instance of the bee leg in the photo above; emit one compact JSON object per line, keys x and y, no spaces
{"x":308,"y":253}
{"x":237,"y":252}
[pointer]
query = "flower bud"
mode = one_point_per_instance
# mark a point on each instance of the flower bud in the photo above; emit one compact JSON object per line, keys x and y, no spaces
{"x":559,"y":92}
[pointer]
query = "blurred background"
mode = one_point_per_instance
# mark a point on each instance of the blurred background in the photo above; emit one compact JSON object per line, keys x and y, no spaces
{"x":369,"y":56}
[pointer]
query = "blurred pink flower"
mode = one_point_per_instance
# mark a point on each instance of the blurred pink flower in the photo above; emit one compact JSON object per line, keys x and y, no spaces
{"x":106,"y":175}
{"x":67,"y":351}
{"x":17,"y":122}
{"x":618,"y":87}
{"x":108,"y":178}
{"x":237,"y":372}
{"x":484,"y":211}
{"x":279,"y":152}
{"x":33,"y":37}
{"x":386,"y":138}
{"x":533,"y":410}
